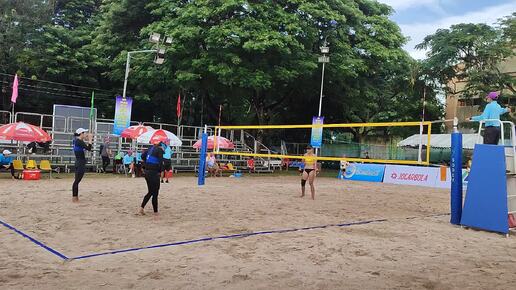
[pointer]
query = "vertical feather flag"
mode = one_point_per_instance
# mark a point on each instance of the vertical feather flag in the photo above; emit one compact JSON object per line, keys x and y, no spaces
{"x":92,"y":102}
{"x":178,"y":107}
{"x":14,"y":96}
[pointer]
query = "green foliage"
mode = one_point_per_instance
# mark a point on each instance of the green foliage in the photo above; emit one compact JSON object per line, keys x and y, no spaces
{"x":472,"y":53}
{"x":19,"y":23}
{"x":259,"y":59}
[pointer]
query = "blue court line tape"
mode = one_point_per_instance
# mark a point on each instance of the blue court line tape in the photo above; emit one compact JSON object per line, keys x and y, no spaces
{"x":234,"y":236}
{"x":57,"y":253}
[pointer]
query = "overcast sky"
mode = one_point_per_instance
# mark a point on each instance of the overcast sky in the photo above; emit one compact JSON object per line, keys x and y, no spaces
{"x":419,"y":18}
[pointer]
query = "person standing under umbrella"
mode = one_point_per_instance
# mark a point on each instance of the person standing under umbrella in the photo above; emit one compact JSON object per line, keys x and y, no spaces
{"x":167,"y":160}
{"x":79,"y":147}
{"x":153,"y":162}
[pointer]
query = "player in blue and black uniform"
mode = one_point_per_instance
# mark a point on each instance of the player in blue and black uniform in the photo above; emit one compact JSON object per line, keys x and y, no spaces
{"x":153,"y":165}
{"x":79,"y":146}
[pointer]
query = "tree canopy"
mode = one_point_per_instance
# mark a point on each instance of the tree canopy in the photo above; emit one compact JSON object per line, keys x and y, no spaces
{"x":472,"y":53}
{"x":259,"y":59}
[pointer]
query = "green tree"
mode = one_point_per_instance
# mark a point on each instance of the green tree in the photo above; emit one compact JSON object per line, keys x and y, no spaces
{"x":471,"y":53}
{"x":260,"y":58}
{"x":19,"y":24}
{"x":59,"y":51}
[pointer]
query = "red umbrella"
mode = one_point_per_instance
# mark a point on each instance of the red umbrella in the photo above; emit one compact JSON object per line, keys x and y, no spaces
{"x":222,"y":143}
{"x":23,"y":132}
{"x":160,"y":136}
{"x":134,"y":132}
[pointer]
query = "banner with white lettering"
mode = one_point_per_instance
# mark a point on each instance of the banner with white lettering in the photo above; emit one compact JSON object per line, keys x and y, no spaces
{"x":365,"y":172}
{"x":411,"y":175}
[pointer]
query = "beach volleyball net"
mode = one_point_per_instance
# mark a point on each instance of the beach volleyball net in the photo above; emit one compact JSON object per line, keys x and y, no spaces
{"x":338,"y":142}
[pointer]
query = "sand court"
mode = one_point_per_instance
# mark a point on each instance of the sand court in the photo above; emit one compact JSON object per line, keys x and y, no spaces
{"x":392,"y":236}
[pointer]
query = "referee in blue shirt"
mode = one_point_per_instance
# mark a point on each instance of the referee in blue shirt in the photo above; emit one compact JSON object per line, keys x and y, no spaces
{"x":492,"y":112}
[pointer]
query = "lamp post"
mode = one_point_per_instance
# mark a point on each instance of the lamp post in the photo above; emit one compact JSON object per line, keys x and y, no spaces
{"x":159,"y":59}
{"x":324,"y":59}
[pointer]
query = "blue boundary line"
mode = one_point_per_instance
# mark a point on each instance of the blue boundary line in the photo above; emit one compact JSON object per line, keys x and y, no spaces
{"x":206,"y":239}
{"x":241,"y":235}
{"x":57,"y":253}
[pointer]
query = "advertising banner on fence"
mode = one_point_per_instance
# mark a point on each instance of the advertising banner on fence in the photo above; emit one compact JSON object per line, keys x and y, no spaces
{"x":317,"y":132}
{"x":365,"y":172}
{"x":411,"y":175}
{"x":443,"y":179}
{"x":122,"y":114}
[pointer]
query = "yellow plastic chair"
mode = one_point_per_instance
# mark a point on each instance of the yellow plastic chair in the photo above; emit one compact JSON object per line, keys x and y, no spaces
{"x":31,"y":164}
{"x":44,"y":165}
{"x":18,"y":166}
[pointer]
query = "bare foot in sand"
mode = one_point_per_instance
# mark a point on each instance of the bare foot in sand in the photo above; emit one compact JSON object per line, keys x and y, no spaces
{"x":141,"y":211}
{"x":155,"y":216}
{"x":75,"y":199}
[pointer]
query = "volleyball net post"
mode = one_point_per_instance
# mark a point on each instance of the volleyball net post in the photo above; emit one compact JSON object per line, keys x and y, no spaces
{"x":202,"y":161}
{"x":428,"y":124}
{"x":456,"y":192}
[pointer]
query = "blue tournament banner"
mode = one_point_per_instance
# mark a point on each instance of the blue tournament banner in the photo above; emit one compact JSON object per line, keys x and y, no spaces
{"x":122,"y":114}
{"x":365,"y":172}
{"x":317,"y":132}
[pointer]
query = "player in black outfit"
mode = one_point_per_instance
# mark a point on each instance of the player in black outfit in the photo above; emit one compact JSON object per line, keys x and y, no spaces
{"x":79,"y":146}
{"x":153,"y":165}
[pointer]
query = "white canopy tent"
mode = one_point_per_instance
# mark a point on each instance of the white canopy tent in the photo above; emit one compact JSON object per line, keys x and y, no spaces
{"x":439,"y":141}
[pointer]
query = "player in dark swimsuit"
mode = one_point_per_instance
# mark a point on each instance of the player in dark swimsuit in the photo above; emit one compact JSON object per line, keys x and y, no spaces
{"x":309,"y":171}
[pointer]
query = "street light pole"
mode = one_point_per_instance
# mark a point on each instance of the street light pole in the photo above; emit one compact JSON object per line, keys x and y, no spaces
{"x":322,"y":59}
{"x":128,"y":66}
{"x":322,"y":88}
{"x":159,"y":50}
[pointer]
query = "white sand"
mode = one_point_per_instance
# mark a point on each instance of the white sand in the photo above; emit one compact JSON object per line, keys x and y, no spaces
{"x":424,"y":252}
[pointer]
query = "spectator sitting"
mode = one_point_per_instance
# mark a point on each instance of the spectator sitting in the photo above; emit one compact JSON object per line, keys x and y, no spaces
{"x":343,"y":165}
{"x":250,"y":164}
{"x":117,"y":160}
{"x":32,"y":147}
{"x":6,"y":162}
{"x":211,"y":164}
{"x":138,"y":164}
{"x":128,"y":161}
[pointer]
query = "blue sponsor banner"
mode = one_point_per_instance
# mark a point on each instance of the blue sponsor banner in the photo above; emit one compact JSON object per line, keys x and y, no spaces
{"x":122,"y":114}
{"x":365,"y":172}
{"x":317,"y":132}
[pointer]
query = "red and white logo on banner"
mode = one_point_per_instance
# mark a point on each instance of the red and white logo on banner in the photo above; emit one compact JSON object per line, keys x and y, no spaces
{"x":411,"y":175}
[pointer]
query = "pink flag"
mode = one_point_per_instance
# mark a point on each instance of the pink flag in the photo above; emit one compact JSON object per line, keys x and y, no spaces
{"x":14,"y":96}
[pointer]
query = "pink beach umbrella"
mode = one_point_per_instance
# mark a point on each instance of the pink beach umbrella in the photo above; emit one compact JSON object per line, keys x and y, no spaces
{"x":134,"y":132}
{"x":153,"y":136}
{"x":23,"y":132}
{"x":222,"y":143}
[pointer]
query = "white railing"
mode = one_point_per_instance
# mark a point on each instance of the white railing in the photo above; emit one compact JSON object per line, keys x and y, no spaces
{"x":512,"y":135}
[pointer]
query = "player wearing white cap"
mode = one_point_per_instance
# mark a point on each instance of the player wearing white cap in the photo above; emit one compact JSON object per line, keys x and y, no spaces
{"x":79,"y":146}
